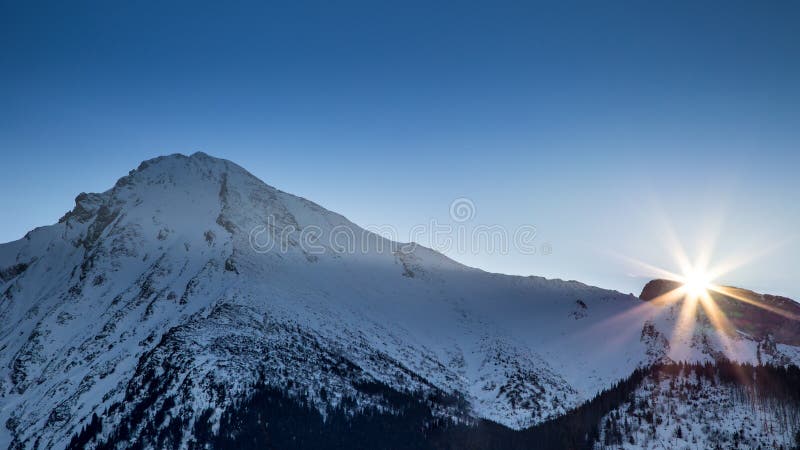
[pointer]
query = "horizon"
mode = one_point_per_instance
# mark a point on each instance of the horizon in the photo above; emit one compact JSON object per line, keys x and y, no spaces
{"x":390,"y":232}
{"x":614,"y":130}
{"x":407,"y":225}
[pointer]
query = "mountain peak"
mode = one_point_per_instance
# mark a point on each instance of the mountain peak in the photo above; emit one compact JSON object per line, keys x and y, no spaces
{"x":657,"y":287}
{"x":178,"y":162}
{"x":760,"y":316}
{"x":190,"y":268}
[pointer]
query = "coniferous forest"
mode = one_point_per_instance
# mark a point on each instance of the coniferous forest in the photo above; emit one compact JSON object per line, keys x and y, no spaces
{"x":270,"y":418}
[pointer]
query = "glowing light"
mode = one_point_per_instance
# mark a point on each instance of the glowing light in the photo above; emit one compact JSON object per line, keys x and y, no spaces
{"x":698,"y":292}
{"x":696,"y":283}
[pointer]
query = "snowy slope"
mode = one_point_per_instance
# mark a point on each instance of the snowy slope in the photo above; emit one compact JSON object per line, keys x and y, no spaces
{"x":696,"y":408}
{"x":168,"y":276}
{"x":749,"y":327}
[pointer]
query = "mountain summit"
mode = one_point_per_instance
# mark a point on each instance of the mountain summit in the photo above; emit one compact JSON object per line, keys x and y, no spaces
{"x":151,"y":309}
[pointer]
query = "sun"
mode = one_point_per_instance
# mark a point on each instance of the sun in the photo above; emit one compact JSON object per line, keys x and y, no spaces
{"x":696,"y":289}
{"x":696,"y":282}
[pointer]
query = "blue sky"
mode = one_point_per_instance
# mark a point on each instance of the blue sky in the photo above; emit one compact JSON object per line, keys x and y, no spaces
{"x":597,"y":122}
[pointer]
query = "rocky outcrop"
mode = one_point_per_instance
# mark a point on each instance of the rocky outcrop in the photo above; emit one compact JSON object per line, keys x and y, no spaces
{"x":655,"y":288}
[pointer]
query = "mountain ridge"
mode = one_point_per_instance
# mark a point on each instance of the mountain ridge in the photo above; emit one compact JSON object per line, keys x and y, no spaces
{"x":157,"y":286}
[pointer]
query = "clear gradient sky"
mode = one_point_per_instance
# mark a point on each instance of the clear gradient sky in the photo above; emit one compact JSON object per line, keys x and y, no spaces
{"x":597,"y":122}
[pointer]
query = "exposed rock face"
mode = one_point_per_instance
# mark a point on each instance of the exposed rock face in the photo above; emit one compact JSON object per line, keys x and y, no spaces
{"x":10,"y":272}
{"x":761,"y":316}
{"x":656,"y":288}
{"x":765,"y":318}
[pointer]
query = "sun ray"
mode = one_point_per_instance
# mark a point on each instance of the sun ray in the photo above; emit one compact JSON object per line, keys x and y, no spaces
{"x":652,"y":270}
{"x":724,"y":330}
{"x":684,"y":327}
{"x":677,"y":249}
{"x":649,"y":308}
{"x":735,"y":294}
{"x":670,"y":242}
{"x":698,"y":289}
{"x":733,"y":263}
{"x":716,"y":316}
{"x":709,"y":235}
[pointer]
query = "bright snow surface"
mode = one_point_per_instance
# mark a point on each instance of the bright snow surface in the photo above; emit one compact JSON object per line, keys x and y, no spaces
{"x":168,"y":251}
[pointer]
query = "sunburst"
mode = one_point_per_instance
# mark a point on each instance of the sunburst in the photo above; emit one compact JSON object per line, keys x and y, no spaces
{"x":696,"y":288}
{"x":696,"y":282}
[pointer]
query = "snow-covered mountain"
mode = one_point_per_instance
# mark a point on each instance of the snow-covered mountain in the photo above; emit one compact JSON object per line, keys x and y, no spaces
{"x":749,"y":327}
{"x":715,"y":406}
{"x":161,"y":303}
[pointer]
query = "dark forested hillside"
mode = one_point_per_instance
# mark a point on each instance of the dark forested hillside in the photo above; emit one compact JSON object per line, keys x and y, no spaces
{"x":720,"y":406}
{"x":271,"y":418}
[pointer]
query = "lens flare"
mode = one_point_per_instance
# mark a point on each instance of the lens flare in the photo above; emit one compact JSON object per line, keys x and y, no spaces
{"x":698,"y":292}
{"x":696,"y":283}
